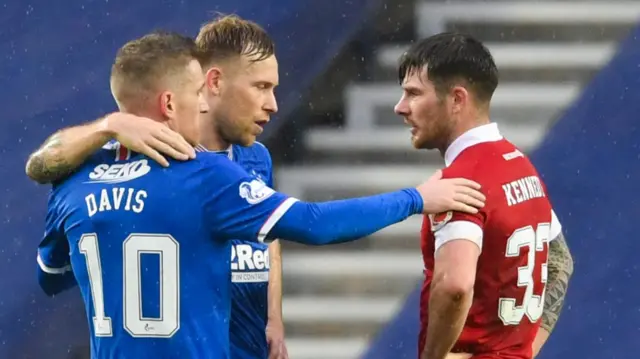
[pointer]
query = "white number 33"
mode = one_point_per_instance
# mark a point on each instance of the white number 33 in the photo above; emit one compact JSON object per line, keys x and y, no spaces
{"x":532,"y":305}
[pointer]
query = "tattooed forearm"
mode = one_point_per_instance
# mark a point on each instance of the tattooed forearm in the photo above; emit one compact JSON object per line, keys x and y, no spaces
{"x":560,"y":268}
{"x":47,"y":164}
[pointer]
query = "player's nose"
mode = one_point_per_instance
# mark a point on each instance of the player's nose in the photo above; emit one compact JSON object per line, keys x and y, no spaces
{"x":271,"y":105}
{"x":401,"y":108}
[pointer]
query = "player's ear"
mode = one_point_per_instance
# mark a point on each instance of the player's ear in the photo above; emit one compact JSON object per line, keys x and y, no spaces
{"x":167,"y":105}
{"x":213,"y":80}
{"x":459,"y":96}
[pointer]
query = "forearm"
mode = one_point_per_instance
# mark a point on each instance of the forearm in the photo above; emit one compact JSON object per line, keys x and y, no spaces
{"x":275,"y":282}
{"x":345,"y":220}
{"x":65,"y":151}
{"x":560,"y":269}
{"x":447,"y":314}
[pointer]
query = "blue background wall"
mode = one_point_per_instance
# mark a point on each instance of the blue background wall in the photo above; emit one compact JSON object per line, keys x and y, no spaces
{"x":54,"y":66}
{"x":590,"y":161}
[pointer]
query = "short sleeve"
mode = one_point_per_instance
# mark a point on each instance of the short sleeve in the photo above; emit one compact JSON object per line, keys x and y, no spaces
{"x":454,"y":225}
{"x":238,"y":205}
{"x":457,"y":225}
{"x":555,"y":228}
{"x":53,"y":251}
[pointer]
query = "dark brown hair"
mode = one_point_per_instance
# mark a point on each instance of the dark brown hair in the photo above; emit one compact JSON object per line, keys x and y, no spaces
{"x":452,"y":57}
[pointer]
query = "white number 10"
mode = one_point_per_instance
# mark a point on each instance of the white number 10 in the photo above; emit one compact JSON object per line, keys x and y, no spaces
{"x":532,"y":305}
{"x":167,"y":248}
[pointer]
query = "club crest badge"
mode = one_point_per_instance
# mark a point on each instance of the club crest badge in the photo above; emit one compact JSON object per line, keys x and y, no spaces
{"x":439,"y":220}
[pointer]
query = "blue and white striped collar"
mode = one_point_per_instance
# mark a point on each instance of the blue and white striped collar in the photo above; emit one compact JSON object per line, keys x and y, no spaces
{"x":228,"y":151}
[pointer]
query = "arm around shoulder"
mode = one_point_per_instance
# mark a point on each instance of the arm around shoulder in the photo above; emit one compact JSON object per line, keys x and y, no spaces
{"x":64,"y":151}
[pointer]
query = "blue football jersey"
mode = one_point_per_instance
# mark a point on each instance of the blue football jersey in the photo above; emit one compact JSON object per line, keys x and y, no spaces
{"x":150,"y":249}
{"x":250,"y":270}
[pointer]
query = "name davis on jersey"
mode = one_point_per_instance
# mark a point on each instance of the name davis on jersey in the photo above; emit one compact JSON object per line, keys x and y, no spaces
{"x":248,"y":264}
{"x":119,"y":172}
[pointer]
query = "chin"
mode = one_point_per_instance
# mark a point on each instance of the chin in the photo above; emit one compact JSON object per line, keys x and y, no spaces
{"x":247,"y":141}
{"x":421,"y":144}
{"x":417,"y":142}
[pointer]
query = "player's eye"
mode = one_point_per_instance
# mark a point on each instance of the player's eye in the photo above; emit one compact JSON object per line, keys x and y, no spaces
{"x":263,"y":86}
{"x":411,"y":93}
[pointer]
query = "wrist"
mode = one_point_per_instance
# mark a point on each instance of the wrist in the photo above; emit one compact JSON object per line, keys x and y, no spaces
{"x":275,"y":320}
{"x":417,"y":203}
{"x":105,"y":127}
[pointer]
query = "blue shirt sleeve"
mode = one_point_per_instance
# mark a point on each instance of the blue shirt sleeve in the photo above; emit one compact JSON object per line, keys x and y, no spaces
{"x":346,"y":220}
{"x":239,"y":206}
{"x":54,"y":262}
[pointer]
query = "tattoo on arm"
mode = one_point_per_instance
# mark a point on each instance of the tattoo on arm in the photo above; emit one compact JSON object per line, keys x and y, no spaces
{"x":560,"y":267}
{"x":47,"y":164}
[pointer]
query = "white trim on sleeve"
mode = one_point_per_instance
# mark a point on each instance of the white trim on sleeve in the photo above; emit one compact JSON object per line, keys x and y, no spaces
{"x":275,"y":217}
{"x":555,"y":228}
{"x":458,"y":230}
{"x":52,"y":270}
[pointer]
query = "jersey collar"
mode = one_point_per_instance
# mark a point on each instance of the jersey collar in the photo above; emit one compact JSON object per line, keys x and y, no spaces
{"x":477,"y":135}
{"x":228,"y":151}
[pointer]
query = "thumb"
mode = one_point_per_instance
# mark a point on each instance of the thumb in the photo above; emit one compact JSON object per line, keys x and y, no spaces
{"x":436,"y":176}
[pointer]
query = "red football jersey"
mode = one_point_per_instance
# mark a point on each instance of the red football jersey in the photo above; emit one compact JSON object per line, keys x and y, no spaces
{"x":513,"y":231}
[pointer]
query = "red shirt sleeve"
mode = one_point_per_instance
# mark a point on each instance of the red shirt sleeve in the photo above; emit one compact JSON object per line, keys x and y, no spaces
{"x":454,"y":225}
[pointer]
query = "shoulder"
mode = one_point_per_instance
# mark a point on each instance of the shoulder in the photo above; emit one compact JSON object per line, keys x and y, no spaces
{"x":256,"y":160}
{"x":483,"y":162}
{"x":259,"y":146}
{"x":215,"y":165}
{"x":256,"y":151}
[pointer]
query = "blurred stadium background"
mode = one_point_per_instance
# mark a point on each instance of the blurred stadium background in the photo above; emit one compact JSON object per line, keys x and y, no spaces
{"x":569,"y":95}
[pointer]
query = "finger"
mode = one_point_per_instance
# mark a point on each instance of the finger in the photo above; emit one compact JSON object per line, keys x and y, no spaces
{"x":436,"y":176}
{"x":166,"y":149}
{"x":472,"y":193}
{"x":466,"y":199}
{"x":180,"y":144}
{"x":273,"y":352}
{"x":466,"y":182}
{"x":169,"y":145}
{"x":184,"y":146}
{"x":458,"y":356}
{"x":462,"y":207}
{"x":154,"y":155}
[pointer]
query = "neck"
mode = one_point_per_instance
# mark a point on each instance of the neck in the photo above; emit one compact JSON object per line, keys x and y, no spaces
{"x":141,"y":111}
{"x":210,"y":138}
{"x":462,"y":126}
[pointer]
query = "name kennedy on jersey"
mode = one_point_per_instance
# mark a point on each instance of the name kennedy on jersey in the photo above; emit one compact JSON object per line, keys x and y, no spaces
{"x":523,"y":189}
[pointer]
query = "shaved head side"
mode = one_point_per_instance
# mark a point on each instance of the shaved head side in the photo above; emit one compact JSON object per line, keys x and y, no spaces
{"x":144,"y":66}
